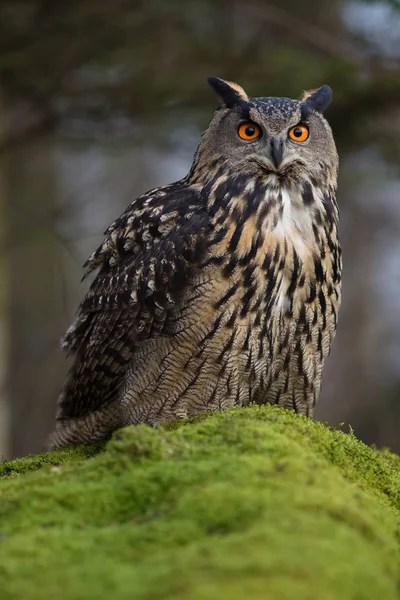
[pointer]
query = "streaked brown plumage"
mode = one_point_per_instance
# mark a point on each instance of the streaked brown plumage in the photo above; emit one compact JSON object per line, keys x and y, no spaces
{"x":220,"y":289}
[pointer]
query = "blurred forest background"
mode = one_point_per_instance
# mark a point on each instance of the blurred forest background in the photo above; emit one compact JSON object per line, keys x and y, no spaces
{"x":101,"y":100}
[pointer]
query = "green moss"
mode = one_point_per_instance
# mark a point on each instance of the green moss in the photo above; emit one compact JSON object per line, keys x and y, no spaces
{"x":33,"y":462}
{"x":253,"y":502}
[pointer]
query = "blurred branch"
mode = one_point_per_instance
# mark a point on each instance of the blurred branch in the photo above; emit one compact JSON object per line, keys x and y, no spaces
{"x":307,"y":32}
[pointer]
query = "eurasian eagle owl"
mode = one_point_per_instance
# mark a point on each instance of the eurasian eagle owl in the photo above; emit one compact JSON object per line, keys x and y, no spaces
{"x":220,"y":289}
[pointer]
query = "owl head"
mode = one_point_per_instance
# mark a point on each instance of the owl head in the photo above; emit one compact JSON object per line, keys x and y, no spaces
{"x":274,"y":136}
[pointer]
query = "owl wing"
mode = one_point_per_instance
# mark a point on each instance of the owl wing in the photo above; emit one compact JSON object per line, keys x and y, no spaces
{"x":144,"y":263}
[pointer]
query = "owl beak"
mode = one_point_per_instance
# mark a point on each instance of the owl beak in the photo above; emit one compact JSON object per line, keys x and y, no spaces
{"x":276,"y":151}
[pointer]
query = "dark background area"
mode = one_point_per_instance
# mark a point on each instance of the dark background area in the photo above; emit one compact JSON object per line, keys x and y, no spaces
{"x":102,"y":100}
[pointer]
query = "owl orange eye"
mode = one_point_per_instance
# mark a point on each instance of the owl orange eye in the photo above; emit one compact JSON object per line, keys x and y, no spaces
{"x":299,"y":133}
{"x":249,"y":131}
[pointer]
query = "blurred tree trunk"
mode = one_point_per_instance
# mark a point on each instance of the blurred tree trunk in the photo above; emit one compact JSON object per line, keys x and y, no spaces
{"x":37,"y":296}
{"x":4,"y":317}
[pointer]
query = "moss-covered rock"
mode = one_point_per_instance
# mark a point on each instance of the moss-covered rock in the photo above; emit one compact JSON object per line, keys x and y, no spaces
{"x":253,"y":503}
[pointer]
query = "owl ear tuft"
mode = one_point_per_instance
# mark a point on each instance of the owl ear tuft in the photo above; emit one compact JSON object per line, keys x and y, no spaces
{"x":230,"y":93}
{"x":317,"y":100}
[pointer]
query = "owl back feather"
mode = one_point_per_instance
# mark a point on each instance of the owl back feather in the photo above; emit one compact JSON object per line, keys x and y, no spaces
{"x":145,"y":262}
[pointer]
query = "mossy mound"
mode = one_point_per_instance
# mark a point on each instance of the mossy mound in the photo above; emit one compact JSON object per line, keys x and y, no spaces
{"x":253,"y":503}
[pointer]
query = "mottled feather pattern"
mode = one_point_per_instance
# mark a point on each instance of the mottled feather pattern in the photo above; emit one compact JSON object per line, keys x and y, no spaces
{"x":216,"y":291}
{"x":134,"y":291}
{"x":145,"y":222}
